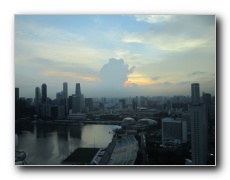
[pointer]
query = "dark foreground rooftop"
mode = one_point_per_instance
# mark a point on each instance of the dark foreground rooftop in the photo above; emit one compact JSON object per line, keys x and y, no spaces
{"x":81,"y":156}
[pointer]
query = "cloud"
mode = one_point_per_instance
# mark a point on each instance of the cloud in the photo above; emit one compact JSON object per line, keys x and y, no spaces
{"x":153,"y":18}
{"x":69,"y":75}
{"x":155,"y":78}
{"x":183,"y":83}
{"x":196,"y":73}
{"x":115,"y":73}
{"x":167,"y":83}
{"x":182,"y":34}
{"x":129,"y":83}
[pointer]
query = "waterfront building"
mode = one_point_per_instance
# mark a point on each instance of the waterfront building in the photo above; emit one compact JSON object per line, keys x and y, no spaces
{"x":61,"y":112}
{"x":145,"y":123}
{"x":46,"y":110}
{"x":127,"y":122}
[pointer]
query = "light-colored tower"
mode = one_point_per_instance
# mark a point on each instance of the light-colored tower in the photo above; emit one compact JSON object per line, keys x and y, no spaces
{"x":195,"y":91}
{"x":199,"y":138}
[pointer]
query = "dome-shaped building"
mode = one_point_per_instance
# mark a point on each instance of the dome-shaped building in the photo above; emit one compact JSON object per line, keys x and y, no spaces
{"x":128,"y":121}
{"x":145,"y":123}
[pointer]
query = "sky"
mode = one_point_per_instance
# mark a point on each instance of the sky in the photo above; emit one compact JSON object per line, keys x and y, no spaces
{"x":115,"y":55}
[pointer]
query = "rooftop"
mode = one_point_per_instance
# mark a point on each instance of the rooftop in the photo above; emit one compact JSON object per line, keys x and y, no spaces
{"x":81,"y":156}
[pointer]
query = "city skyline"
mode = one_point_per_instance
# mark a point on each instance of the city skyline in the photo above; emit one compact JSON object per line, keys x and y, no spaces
{"x":115,"y":55}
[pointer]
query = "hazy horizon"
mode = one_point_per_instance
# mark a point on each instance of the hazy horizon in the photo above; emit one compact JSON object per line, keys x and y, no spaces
{"x":115,"y":55}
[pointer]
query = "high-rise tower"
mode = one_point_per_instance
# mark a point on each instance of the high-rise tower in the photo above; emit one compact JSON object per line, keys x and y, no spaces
{"x":199,"y":128}
{"x":65,"y":96}
{"x":78,"y":98}
{"x":199,"y":134}
{"x":37,"y":99}
{"x":78,"y":89}
{"x":65,"y":90}
{"x":44,"y":93}
{"x":195,"y":92}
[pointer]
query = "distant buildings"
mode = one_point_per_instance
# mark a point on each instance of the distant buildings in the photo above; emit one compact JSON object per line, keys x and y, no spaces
{"x":88,"y":104}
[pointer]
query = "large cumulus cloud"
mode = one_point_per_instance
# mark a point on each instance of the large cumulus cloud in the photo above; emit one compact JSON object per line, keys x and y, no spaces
{"x":113,"y":76}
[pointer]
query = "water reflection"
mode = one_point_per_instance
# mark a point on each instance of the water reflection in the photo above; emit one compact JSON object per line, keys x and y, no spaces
{"x":49,"y":144}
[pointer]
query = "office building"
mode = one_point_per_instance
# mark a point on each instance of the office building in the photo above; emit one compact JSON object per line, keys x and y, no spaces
{"x":174,"y":131}
{"x":195,"y":91}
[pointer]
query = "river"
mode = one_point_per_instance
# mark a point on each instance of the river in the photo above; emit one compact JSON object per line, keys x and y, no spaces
{"x":48,"y":144}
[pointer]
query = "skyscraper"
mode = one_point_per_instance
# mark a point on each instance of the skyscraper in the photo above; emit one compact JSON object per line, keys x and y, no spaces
{"x":44,"y":93}
{"x":65,"y":90}
{"x":65,"y":96}
{"x":37,"y":99}
{"x":195,"y":91}
{"x":78,"y":89}
{"x":78,"y":98}
{"x":199,"y":136}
